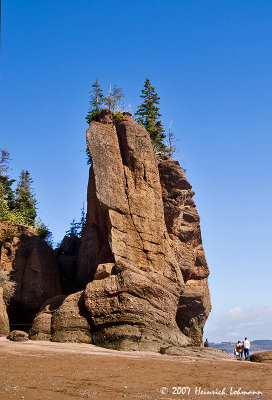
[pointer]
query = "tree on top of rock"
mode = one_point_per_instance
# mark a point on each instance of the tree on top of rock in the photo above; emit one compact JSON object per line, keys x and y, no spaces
{"x":148,"y":116}
{"x":96,"y":101}
{"x":25,"y":201}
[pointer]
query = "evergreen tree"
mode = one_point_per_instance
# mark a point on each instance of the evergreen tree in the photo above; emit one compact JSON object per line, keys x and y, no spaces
{"x":96,"y":101}
{"x":82,"y":222}
{"x":4,"y":161}
{"x":76,"y":228}
{"x":25,"y":202}
{"x":112,"y":102}
{"x":6,"y":184}
{"x":148,"y":116}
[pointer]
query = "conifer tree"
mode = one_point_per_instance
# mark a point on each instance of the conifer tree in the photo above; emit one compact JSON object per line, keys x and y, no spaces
{"x":7,"y":192}
{"x":97,"y":97}
{"x":96,"y":101}
{"x":4,"y":161}
{"x":148,"y":116}
{"x":25,"y":202}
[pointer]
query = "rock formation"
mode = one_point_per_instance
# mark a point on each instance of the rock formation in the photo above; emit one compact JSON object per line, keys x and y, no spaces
{"x":62,"y":319}
{"x":4,"y":321}
{"x":262,"y":357}
{"x":67,"y":259}
{"x":31,"y":263}
{"x":141,"y":266}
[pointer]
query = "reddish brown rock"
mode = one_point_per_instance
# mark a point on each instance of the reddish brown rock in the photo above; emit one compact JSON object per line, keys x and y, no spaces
{"x":62,"y":319}
{"x":71,"y":322}
{"x":144,"y":225}
{"x":41,"y":328}
{"x":4,"y":321}
{"x":182,"y":223}
{"x":33,"y":267}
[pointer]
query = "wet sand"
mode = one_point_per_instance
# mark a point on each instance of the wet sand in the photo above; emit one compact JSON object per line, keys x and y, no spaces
{"x":44,"y":370}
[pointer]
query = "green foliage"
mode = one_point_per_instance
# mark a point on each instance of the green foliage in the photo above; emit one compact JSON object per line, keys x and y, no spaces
{"x":96,"y":102}
{"x":92,"y":115}
{"x":97,"y":97}
{"x":117,"y":116}
{"x":88,"y":155}
{"x":25,"y":202}
{"x":44,"y":233}
{"x":4,"y":208}
{"x":76,"y":228}
{"x":8,"y":234}
{"x":4,"y":161}
{"x":8,"y":286}
{"x":6,"y":214}
{"x":19,"y":206}
{"x":148,"y":116}
{"x":113,"y":101}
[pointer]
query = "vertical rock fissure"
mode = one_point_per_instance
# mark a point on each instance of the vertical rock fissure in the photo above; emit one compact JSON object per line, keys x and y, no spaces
{"x":132,"y":216}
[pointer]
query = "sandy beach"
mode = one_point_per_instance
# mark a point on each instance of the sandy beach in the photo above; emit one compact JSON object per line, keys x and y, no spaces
{"x":44,"y":370}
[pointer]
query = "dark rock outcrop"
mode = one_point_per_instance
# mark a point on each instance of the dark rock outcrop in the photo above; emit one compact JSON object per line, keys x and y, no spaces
{"x":4,"y":321}
{"x":67,"y":260}
{"x":32,"y":265}
{"x":262,"y":357}
{"x":18,"y":336}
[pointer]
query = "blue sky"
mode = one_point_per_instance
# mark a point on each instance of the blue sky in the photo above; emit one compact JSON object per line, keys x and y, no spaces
{"x":210,"y":62}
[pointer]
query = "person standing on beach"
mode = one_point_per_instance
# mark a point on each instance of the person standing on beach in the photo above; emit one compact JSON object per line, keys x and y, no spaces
{"x":246,"y":348}
{"x":239,"y":349}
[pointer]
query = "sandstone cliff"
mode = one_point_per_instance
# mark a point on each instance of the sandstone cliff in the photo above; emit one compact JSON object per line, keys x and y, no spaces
{"x":141,"y":266}
{"x":32,"y":266}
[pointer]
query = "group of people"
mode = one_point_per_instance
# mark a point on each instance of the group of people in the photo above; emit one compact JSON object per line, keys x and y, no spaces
{"x":242,"y":348}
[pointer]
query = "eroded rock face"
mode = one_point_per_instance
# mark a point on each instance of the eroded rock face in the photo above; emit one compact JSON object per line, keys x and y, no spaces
{"x":182,"y":223}
{"x":4,"y":321}
{"x":41,"y":328}
{"x":32,"y":265}
{"x":143,"y":227}
{"x":62,"y":319}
